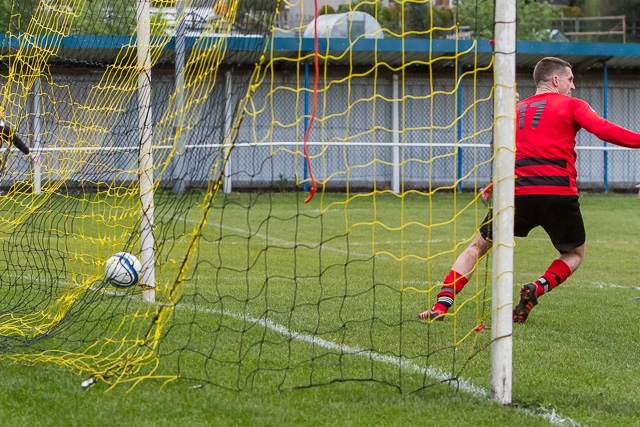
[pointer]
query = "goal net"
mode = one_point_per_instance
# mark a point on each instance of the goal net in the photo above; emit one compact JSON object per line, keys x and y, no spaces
{"x":295,"y":182}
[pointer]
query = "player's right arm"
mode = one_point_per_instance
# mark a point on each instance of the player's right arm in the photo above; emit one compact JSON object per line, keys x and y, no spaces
{"x":14,"y":139}
{"x":7,"y":135}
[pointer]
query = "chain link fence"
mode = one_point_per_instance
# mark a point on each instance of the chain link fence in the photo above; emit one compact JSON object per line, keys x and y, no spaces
{"x":381,"y":131}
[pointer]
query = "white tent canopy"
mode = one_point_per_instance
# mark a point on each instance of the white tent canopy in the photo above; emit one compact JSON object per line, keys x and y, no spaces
{"x":350,"y":25}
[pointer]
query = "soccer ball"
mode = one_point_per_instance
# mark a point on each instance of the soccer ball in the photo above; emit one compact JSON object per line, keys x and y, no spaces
{"x":123,"y":270}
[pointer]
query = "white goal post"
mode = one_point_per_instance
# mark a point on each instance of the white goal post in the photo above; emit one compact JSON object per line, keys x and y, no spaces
{"x":503,"y":200}
{"x":147,"y":240}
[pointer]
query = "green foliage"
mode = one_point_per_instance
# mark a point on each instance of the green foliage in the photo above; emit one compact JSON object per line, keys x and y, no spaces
{"x":159,"y":24}
{"x":419,"y":18}
{"x":596,"y":7}
{"x":282,"y":183}
{"x":106,"y":17}
{"x":16,"y":16}
{"x":326,"y":10}
{"x":256,"y":5}
{"x":443,"y":16}
{"x":375,"y":9}
{"x":629,"y":8}
{"x":99,"y":17}
{"x":5,"y":14}
{"x":255,"y":15}
{"x":118,"y":17}
{"x":571,"y":12}
{"x":580,"y":4}
{"x":533,"y":19}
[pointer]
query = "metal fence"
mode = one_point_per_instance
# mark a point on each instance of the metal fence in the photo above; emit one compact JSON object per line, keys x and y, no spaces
{"x":369,"y":131}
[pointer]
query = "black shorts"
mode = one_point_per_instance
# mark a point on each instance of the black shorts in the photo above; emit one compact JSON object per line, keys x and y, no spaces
{"x":559,"y":216}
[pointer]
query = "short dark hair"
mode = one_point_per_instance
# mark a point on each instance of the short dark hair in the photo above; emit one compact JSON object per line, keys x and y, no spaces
{"x":547,"y":67}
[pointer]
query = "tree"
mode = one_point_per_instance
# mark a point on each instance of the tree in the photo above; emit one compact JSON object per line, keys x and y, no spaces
{"x":533,"y":19}
{"x":377,"y":10}
{"x":99,"y":17}
{"x":5,"y":14}
{"x":15,"y":16}
{"x":255,"y":16}
{"x":106,"y":17}
{"x":421,"y":20}
{"x":630,"y":9}
{"x":326,"y":10}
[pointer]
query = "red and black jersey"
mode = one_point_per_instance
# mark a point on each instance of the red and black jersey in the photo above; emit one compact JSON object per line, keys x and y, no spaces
{"x":546,"y":128}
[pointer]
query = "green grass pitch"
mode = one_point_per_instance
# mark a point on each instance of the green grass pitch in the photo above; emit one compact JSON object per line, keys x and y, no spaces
{"x":574,"y":362}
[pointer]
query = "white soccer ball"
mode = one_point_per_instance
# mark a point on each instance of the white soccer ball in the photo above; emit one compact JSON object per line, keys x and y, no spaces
{"x":123,"y":270}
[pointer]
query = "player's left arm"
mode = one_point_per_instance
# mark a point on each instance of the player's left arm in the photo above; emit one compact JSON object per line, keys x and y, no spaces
{"x":603,"y":128}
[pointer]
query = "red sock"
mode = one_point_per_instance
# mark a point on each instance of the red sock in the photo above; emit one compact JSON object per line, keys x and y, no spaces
{"x":557,"y":273}
{"x":456,"y":279}
{"x":452,"y":285}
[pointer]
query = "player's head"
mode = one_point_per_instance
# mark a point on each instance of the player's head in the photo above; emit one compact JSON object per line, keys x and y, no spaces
{"x":554,"y":74}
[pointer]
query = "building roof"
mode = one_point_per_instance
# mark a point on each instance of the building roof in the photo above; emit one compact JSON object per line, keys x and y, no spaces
{"x":582,"y":56}
{"x":440,"y":53}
